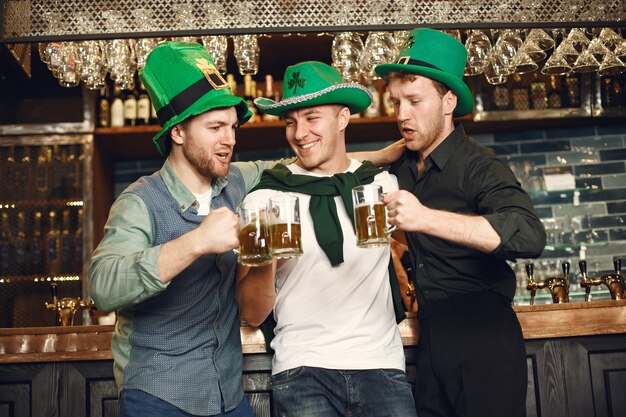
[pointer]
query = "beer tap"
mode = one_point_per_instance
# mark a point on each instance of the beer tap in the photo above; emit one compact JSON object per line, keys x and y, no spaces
{"x":558,"y":286}
{"x":66,"y":308}
{"x":613,"y":281}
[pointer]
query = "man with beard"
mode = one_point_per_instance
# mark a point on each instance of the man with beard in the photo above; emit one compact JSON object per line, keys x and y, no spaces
{"x":465,"y":215}
{"x":337,"y":348}
{"x":166,"y":262}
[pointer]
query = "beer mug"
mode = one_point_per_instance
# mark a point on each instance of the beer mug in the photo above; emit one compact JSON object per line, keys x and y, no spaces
{"x":370,"y":216}
{"x":284,"y":221}
{"x":253,"y":234}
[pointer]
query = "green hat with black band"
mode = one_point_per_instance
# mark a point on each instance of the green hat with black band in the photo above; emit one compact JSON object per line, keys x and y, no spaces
{"x":182,"y":81}
{"x":314,"y":83}
{"x":438,"y":56}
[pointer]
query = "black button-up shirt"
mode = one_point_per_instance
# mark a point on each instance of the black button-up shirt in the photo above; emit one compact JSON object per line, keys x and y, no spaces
{"x":463,"y":176}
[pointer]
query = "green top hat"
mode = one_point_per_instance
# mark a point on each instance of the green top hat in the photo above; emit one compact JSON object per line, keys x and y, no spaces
{"x":182,"y":81}
{"x":314,"y":83}
{"x":438,"y":56}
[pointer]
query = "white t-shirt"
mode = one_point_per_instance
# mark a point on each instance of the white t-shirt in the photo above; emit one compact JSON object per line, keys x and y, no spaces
{"x":204,"y":202}
{"x":337,"y":317}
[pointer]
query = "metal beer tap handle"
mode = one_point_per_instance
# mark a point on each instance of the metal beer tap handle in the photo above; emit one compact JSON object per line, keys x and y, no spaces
{"x":585,"y":282}
{"x":66,"y":308}
{"x":615,"y":281}
{"x":558,"y":286}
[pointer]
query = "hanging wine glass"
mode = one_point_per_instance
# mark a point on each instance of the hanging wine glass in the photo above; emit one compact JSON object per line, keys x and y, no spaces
{"x":143,"y":46}
{"x":216,"y":45}
{"x":478,"y":47}
{"x":246,"y":47}
{"x":611,"y":65}
{"x":379,"y":48}
{"x":346,"y":53}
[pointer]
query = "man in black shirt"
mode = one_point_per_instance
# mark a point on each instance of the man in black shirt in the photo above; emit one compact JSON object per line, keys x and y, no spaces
{"x":464,"y":215}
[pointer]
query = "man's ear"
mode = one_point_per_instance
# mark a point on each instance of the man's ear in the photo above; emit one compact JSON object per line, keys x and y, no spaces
{"x":449,"y":102}
{"x":344,"y":117}
{"x":178,"y":134}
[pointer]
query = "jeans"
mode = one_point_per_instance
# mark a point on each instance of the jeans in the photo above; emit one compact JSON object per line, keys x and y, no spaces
{"x":136,"y":403}
{"x":317,"y":392}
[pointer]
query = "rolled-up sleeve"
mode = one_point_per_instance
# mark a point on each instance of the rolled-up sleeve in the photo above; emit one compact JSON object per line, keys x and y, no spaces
{"x":508,"y":208}
{"x":123,"y":269}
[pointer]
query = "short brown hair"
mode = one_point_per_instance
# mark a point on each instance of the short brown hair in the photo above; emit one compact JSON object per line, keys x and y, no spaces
{"x":442,"y":89}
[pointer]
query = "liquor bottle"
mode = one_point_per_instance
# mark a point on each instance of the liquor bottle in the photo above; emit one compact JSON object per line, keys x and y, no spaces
{"x":154,"y":119}
{"x":573,"y":91}
{"x":521,"y":100}
{"x":554,"y":92}
{"x":78,"y":244}
{"x":247,"y":91}
{"x":24,"y":172}
{"x":53,"y":245}
{"x":501,"y":97}
{"x":36,"y":246}
{"x":387,"y":104}
{"x":66,"y":243}
{"x":117,"y":108}
{"x":104,"y":113}
{"x":269,"y":93}
{"x":232,"y":84}
{"x":539,"y":96}
{"x":42,"y":174}
{"x":55,"y":171}
{"x":21,"y":245}
{"x":143,"y":106}
{"x":130,"y":108}
{"x":617,"y":93}
{"x":6,"y":247}
{"x":374,"y":108}
{"x":10,"y":175}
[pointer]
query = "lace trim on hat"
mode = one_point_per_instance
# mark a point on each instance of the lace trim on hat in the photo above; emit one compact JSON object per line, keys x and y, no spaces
{"x":306,"y":97}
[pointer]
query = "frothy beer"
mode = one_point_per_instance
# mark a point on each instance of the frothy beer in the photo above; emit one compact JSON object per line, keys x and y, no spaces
{"x":371,"y":224}
{"x":253,"y":245}
{"x":285,"y":239}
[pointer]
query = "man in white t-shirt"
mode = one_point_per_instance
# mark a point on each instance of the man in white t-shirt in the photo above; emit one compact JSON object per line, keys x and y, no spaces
{"x":338,"y":349}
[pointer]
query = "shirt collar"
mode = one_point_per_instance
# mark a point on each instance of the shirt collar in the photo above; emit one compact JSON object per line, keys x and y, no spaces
{"x":442,"y":153}
{"x":180,"y":192}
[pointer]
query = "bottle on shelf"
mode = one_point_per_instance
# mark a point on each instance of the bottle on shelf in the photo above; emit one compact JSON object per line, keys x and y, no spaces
{"x":143,"y":106}
{"x":10,"y":175}
{"x":572,"y":84}
{"x":42,"y":170}
{"x":53,"y":245}
{"x":36,"y":246}
{"x":78,"y":244}
{"x":130,"y":108}
{"x":104,"y":113}
{"x":554,"y":92}
{"x":117,"y":108}
{"x":521,"y":99}
{"x":232,"y":84}
{"x":387,"y":104}
{"x":66,"y":243}
{"x":269,"y":93}
{"x":248,"y":91}
{"x":374,"y":108}
{"x":24,"y":168}
{"x":6,"y":246}
{"x":21,"y":246}
{"x":538,"y":93}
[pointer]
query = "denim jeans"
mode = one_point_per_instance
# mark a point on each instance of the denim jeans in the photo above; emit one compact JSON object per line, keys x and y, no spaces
{"x":136,"y":403}
{"x":317,"y":392}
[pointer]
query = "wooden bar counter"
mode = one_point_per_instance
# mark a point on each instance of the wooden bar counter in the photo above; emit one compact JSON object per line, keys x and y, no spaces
{"x":576,"y":356}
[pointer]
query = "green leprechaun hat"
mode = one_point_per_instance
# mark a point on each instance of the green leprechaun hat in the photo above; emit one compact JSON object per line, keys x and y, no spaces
{"x":314,"y":83}
{"x":182,"y":81}
{"x":438,"y":56}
